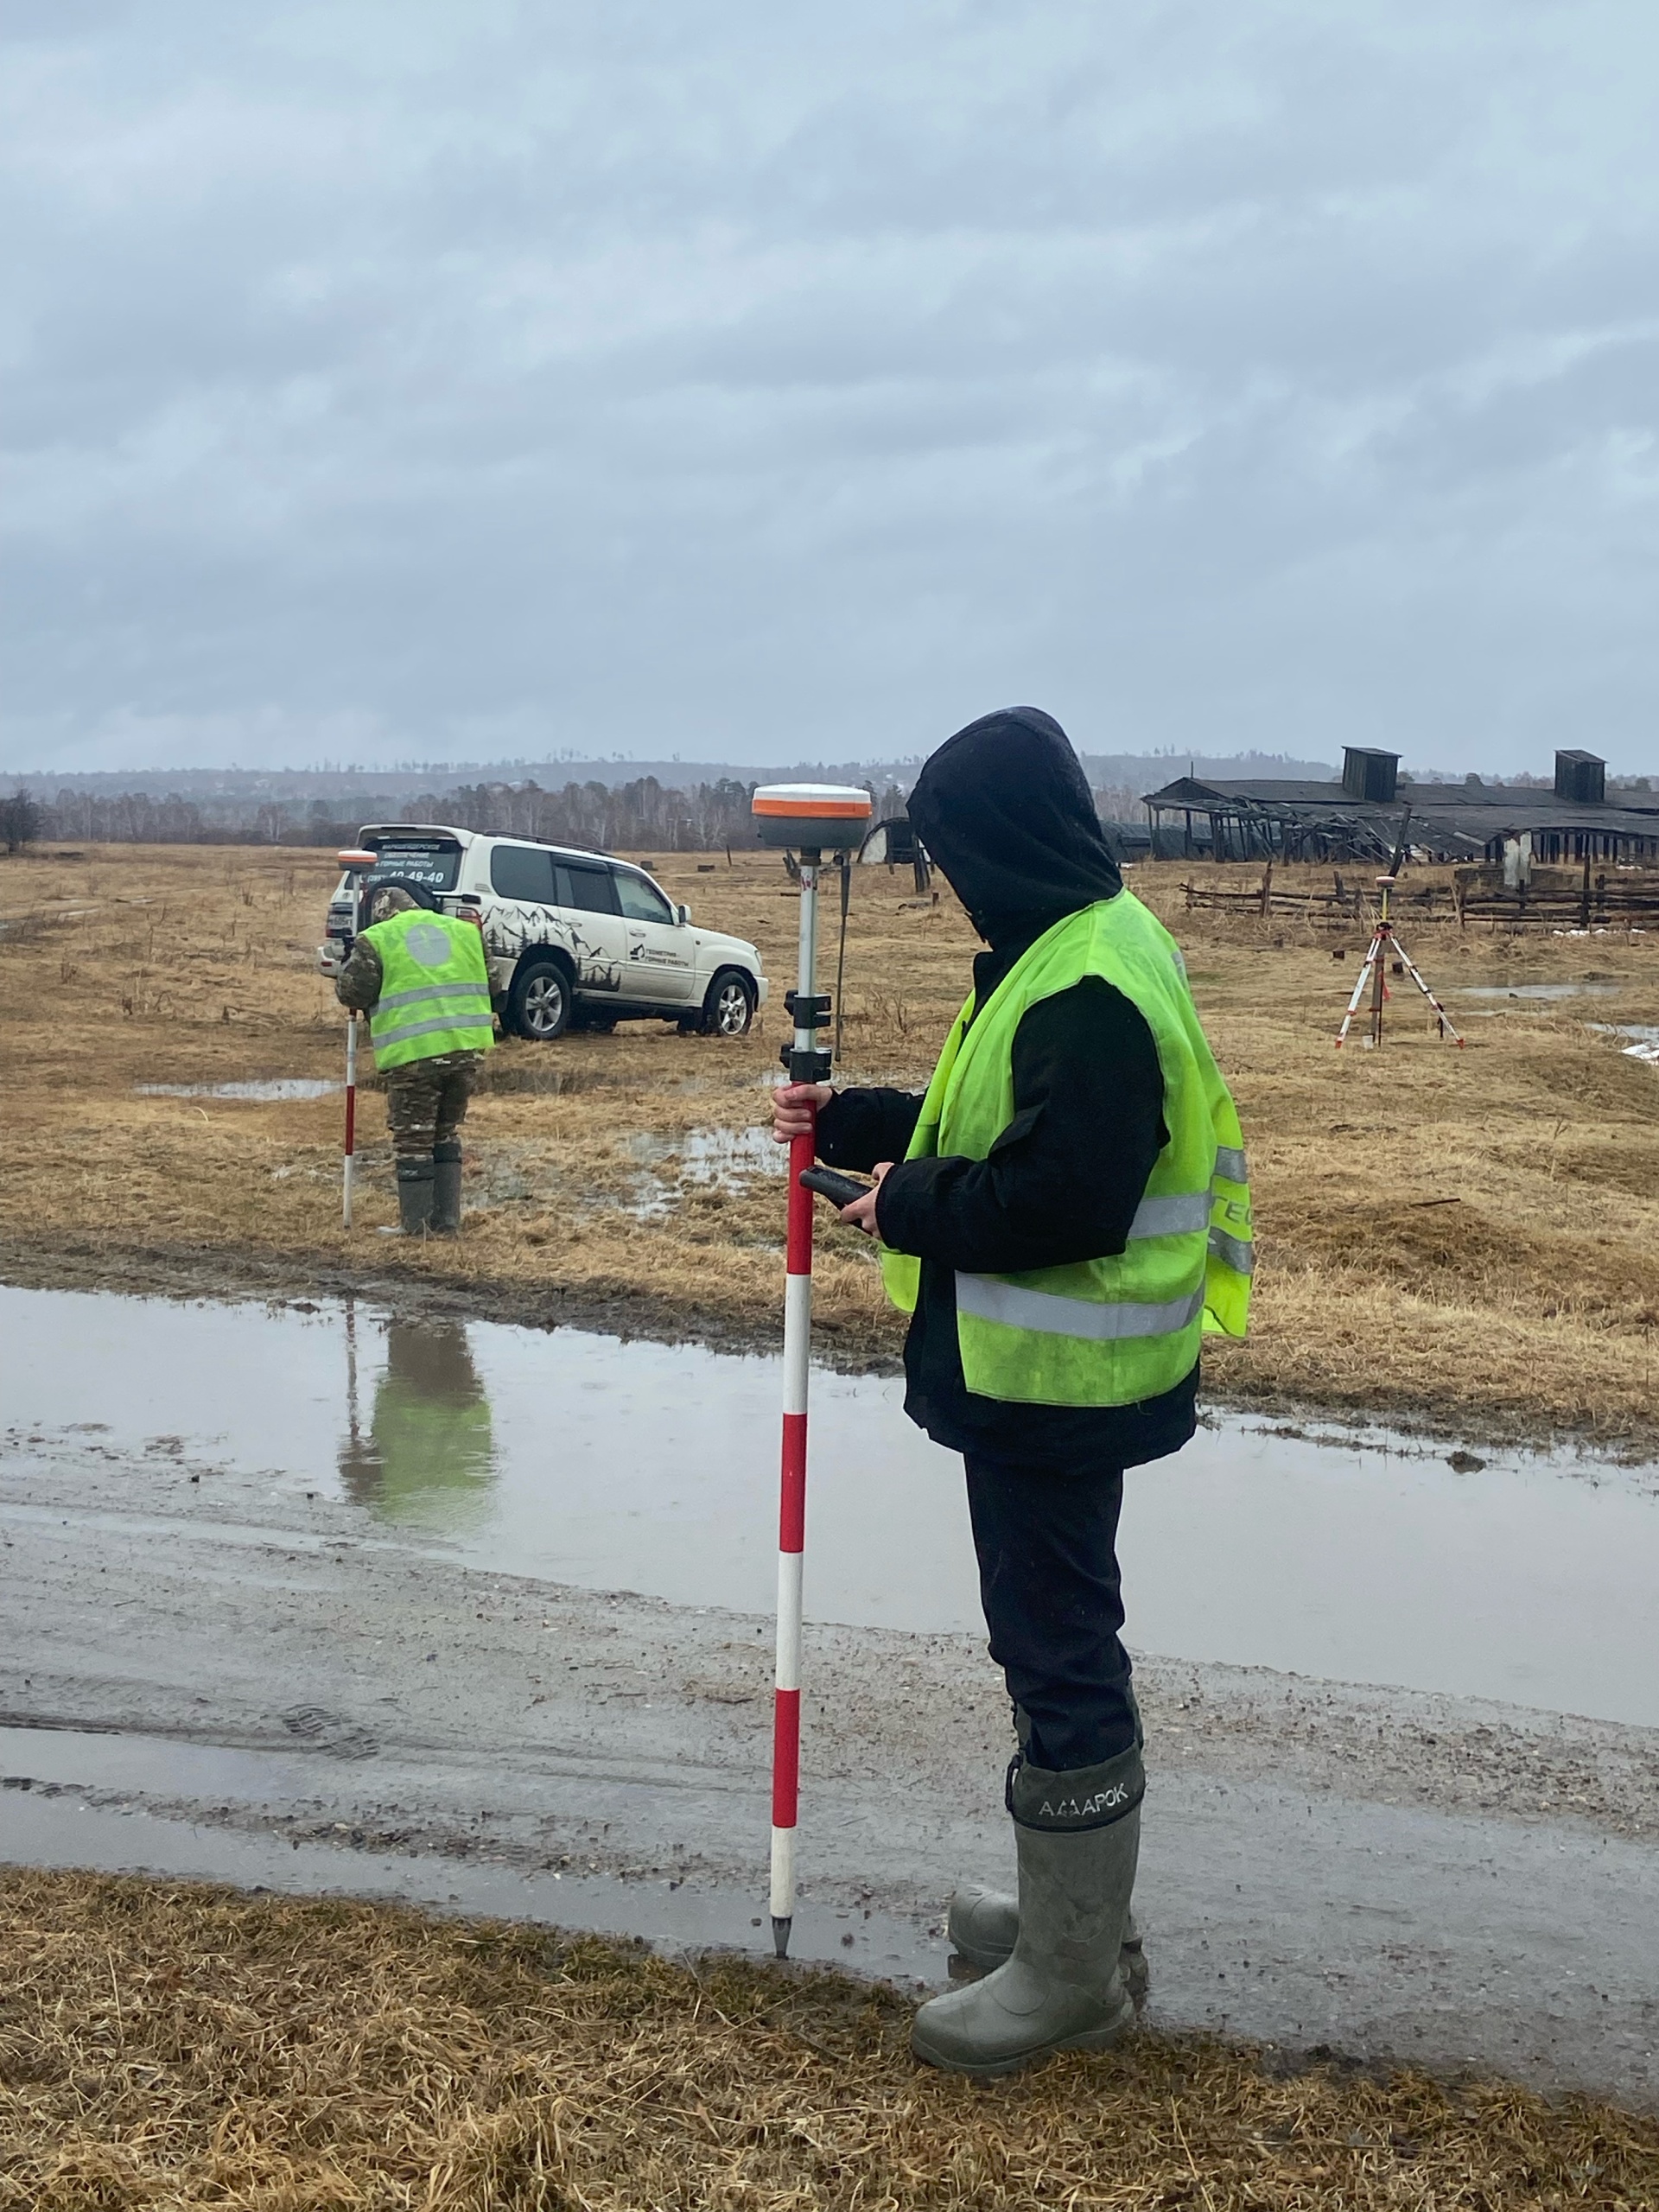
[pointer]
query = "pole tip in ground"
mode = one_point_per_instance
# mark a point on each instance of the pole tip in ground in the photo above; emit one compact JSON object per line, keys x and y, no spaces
{"x":780,"y":1936}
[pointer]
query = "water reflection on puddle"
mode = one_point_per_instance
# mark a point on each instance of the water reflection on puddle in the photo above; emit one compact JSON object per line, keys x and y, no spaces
{"x":1535,"y":990}
{"x":273,"y":1090}
{"x":701,"y":1160}
{"x":652,"y":1467}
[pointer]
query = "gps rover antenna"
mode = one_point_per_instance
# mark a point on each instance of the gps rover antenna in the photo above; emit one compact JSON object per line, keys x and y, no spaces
{"x":355,"y":864}
{"x":807,"y":818}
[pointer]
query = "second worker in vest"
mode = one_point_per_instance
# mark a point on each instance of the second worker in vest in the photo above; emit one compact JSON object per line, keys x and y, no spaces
{"x":1068,"y":1214}
{"x":422,"y":979}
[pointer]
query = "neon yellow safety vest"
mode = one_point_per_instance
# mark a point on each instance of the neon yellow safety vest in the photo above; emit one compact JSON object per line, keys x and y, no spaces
{"x":435,"y":988}
{"x":1109,"y":1331}
{"x":437,"y":1456}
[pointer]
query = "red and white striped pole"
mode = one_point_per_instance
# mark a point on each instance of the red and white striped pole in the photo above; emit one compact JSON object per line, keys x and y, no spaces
{"x":809,"y":818}
{"x":354,"y":864}
{"x":792,"y":1509}
{"x":348,"y":1169}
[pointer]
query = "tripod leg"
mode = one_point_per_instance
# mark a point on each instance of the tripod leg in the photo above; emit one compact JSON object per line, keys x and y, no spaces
{"x":1366,"y":966}
{"x":1447,"y":1029}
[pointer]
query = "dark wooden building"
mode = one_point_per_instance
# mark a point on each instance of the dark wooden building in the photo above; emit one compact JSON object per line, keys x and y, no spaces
{"x":1359,"y":816}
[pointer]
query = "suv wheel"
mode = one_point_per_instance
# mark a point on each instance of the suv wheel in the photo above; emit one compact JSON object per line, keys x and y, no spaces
{"x":538,"y":1005}
{"x":729,"y":1006}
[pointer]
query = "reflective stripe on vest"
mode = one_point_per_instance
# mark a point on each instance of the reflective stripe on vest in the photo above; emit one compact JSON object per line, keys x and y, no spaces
{"x":1174,"y":1217}
{"x":469,"y":990}
{"x":461,"y":1018}
{"x":991,"y":1298}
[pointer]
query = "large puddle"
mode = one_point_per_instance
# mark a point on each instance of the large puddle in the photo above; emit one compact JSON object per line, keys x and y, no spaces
{"x":1644,"y":1035}
{"x":1536,"y":992}
{"x":653,"y":1468}
{"x":49,"y":1775}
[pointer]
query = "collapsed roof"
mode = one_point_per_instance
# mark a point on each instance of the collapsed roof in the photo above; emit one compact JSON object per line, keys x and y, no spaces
{"x":1360,"y":817}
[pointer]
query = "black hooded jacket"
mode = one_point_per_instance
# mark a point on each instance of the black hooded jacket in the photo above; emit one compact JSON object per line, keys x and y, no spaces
{"x":1006,"y":813}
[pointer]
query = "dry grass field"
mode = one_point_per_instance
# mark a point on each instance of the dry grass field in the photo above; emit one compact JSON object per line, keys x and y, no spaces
{"x":171,"y":2047}
{"x":1467,"y":1241}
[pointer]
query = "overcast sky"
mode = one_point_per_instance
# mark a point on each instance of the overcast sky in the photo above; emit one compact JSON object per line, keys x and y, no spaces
{"x":388,"y":380}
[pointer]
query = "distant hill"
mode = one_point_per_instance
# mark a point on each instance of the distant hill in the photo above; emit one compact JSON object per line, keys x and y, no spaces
{"x":231,"y":791}
{"x":696,"y":805}
{"x":1147,"y":771}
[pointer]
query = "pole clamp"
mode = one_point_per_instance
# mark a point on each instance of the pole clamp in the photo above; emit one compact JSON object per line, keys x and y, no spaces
{"x":807,"y":1010}
{"x":805,"y":1067}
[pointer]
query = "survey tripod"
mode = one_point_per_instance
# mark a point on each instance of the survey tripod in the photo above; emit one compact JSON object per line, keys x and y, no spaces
{"x":1373,"y":967}
{"x":809,"y":819}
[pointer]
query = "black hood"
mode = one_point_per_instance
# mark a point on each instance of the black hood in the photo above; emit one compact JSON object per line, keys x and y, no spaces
{"x":1005,"y":810}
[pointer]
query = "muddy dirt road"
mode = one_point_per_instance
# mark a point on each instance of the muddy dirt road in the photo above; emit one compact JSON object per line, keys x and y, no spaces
{"x":288,"y":1655}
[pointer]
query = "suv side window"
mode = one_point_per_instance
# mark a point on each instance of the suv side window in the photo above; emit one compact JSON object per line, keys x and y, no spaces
{"x":642,"y":901}
{"x":520,"y":872}
{"x":589,"y":890}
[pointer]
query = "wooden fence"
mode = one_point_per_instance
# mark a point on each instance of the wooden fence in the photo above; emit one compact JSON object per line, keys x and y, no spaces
{"x":1555,"y":899}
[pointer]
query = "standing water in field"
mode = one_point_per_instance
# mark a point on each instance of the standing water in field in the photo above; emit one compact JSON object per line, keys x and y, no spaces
{"x":650,"y":1467}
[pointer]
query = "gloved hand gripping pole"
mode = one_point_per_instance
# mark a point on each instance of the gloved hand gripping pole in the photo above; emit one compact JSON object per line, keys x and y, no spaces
{"x":808,"y":817}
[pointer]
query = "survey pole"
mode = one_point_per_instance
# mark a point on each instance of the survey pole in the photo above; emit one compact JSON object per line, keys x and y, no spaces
{"x":356,"y":863}
{"x":792,"y":1510}
{"x":348,"y":1168}
{"x":806,"y":818}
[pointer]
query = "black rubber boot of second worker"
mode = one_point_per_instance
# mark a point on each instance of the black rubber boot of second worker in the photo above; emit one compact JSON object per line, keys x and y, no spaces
{"x":415,"y":1180}
{"x":446,"y":1189}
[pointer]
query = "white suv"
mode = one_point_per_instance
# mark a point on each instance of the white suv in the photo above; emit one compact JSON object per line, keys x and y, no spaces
{"x":572,"y":939}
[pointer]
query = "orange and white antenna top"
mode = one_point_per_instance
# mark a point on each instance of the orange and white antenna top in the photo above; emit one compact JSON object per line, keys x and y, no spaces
{"x":356,"y":857}
{"x":820,"y":815}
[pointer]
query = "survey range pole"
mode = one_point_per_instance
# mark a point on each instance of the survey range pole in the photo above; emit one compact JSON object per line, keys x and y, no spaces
{"x":356,"y":864}
{"x":348,"y":1165}
{"x":810,"y":819}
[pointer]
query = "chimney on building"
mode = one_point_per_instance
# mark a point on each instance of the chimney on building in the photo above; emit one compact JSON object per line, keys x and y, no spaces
{"x":1369,"y":776}
{"x":1582,"y":778}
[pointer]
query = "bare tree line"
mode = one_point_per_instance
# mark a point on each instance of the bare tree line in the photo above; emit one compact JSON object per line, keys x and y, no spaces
{"x":642,"y":816}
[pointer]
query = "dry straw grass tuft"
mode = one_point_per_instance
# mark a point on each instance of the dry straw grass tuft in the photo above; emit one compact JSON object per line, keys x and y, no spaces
{"x":179,"y":2047}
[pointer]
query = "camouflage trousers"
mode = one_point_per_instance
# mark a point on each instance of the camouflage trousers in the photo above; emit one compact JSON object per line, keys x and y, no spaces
{"x":426,"y":1101}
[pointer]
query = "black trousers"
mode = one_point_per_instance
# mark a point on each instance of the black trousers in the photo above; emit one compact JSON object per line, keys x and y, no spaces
{"x":1049,"y":1581}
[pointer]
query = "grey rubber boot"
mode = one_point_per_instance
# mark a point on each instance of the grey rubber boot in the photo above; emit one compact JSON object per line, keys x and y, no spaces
{"x":982,"y":1925}
{"x":414,"y":1197}
{"x":446,"y":1190}
{"x":1078,"y":1836}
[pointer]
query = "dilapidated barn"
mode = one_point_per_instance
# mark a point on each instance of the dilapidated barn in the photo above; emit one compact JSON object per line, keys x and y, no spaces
{"x":1359,"y":818}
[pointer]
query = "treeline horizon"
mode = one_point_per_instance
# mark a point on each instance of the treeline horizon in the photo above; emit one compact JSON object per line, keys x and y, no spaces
{"x":644,"y":815}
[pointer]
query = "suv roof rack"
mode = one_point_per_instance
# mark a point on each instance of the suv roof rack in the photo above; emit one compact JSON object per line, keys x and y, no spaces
{"x":516,"y":836}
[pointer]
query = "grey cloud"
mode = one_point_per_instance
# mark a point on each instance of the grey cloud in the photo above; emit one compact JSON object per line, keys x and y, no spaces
{"x":638,"y":379}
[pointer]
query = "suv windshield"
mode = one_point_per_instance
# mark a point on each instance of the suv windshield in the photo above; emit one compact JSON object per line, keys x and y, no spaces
{"x":427,"y":860}
{"x":641,"y":901}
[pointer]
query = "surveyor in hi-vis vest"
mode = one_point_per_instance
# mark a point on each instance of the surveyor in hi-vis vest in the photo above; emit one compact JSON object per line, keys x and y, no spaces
{"x":421,"y":979}
{"x":1069,"y":1215}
